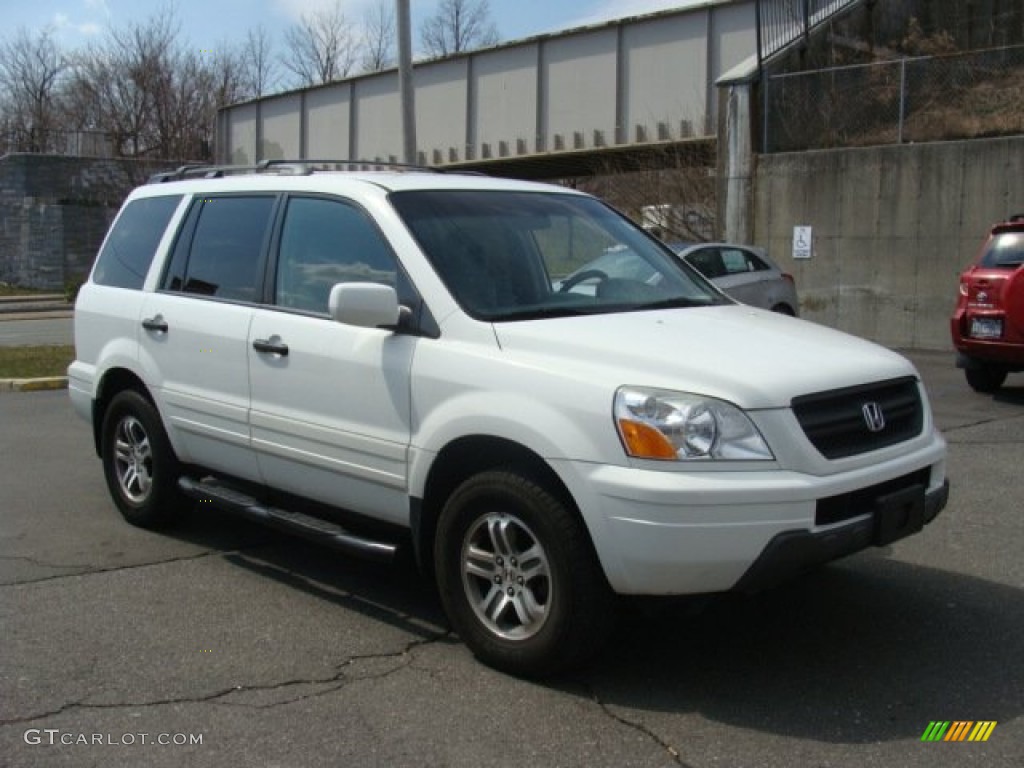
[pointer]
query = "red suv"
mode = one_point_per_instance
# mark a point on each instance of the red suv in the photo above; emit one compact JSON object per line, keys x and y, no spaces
{"x":988,"y":323}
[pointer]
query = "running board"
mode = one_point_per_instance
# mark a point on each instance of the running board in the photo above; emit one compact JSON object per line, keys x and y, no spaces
{"x":307,"y":526}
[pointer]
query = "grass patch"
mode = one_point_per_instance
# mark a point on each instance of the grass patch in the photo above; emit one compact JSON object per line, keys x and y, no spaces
{"x":34,"y":362}
{"x":15,"y":290}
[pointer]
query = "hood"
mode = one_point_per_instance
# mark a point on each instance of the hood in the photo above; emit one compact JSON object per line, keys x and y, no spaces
{"x":750,"y":357}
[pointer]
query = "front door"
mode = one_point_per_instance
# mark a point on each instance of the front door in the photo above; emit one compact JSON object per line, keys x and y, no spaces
{"x":330,"y":405}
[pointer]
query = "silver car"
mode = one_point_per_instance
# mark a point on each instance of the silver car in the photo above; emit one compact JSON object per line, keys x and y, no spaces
{"x":744,"y":272}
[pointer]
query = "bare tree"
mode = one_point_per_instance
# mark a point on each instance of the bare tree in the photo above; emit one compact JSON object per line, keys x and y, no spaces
{"x":259,"y":70}
{"x":321,"y":47}
{"x":458,"y":25}
{"x":30,"y":67}
{"x":161,"y":68}
{"x":107,"y":92}
{"x":151,"y":95}
{"x":225,"y":71}
{"x":379,"y":37}
{"x":199,"y":85}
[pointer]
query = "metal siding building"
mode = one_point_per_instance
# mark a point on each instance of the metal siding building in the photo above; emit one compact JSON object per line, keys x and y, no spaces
{"x":634,"y":81}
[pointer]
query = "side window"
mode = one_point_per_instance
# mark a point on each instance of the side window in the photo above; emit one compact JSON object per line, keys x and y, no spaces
{"x":735,"y":261}
{"x":174,"y":277}
{"x":324,"y":242}
{"x":755,"y":263}
{"x":708,"y":262}
{"x":223,"y":257}
{"x":129,"y":249}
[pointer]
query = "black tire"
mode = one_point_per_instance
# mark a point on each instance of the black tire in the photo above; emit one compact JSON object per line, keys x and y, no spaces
{"x":560,"y":587}
{"x":784,"y":309}
{"x":985,"y":379}
{"x":138,"y":462}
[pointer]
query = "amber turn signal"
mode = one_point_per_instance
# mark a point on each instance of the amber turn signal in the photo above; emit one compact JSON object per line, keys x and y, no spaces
{"x":645,"y":442}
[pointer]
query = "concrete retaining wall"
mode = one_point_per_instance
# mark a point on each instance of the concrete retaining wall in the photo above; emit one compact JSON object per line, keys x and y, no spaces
{"x":54,"y":212}
{"x":892,"y":228}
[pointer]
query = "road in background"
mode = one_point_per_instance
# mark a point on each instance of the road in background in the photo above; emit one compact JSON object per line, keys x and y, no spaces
{"x":34,"y":330}
{"x":276,"y":652}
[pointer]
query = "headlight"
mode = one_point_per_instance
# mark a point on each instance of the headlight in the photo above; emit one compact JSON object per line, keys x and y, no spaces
{"x":659,"y":424}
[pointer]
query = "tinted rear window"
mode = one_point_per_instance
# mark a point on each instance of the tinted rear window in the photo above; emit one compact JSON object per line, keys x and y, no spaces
{"x":129,"y":249}
{"x":1004,"y":250}
{"x":224,"y":255}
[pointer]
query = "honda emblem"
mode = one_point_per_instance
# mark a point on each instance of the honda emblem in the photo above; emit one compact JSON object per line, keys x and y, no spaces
{"x":873,"y":417}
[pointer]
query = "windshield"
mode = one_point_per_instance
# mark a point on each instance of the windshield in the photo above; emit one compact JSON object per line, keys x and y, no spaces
{"x":525,"y":255}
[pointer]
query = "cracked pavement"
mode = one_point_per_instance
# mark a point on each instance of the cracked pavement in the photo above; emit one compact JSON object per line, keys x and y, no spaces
{"x":280,"y":653}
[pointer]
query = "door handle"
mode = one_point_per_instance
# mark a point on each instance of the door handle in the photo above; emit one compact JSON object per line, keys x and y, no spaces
{"x":270,"y":347}
{"x":156,"y":324}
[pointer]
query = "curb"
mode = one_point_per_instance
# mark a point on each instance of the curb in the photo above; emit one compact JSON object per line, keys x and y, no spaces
{"x":26,"y":310}
{"x":37,"y":314}
{"x":32,"y":298}
{"x":34,"y":385}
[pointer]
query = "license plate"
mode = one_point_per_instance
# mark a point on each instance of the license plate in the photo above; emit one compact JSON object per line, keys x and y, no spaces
{"x":986,"y":327}
{"x":899,"y":514}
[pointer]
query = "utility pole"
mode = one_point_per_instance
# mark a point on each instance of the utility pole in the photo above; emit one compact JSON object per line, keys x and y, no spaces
{"x":407,"y":92}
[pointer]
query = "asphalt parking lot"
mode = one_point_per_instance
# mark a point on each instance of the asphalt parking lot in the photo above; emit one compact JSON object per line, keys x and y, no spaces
{"x":273,"y":652}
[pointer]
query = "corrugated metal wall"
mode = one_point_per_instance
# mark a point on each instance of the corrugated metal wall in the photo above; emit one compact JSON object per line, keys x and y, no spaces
{"x":634,"y":81}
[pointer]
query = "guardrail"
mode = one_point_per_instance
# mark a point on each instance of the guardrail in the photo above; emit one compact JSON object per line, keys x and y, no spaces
{"x":782,"y":22}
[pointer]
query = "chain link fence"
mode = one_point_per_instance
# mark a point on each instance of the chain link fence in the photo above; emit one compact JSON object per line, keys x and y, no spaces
{"x":55,"y":142}
{"x":929,"y":98}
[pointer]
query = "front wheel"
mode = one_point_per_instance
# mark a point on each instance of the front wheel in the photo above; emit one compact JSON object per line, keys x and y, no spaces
{"x":138,"y":462}
{"x":985,"y":379}
{"x":518,"y":576}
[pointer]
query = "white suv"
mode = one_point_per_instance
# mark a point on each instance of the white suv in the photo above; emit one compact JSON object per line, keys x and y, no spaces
{"x":382,"y":359}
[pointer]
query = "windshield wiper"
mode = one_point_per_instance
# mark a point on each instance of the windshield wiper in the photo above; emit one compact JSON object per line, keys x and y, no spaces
{"x":542,"y":313}
{"x":676,"y":302}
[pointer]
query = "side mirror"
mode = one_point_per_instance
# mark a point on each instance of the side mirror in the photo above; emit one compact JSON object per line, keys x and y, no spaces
{"x":367,"y":305}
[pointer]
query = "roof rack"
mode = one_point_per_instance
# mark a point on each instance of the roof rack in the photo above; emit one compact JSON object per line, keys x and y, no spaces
{"x":301,"y":167}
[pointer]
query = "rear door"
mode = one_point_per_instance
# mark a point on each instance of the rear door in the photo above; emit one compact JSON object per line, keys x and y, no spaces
{"x":195,"y":330}
{"x":331,"y":407}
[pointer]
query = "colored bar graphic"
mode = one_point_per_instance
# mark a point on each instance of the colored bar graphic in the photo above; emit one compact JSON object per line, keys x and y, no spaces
{"x":958,"y":730}
{"x":982,"y":730}
{"x":935,"y":731}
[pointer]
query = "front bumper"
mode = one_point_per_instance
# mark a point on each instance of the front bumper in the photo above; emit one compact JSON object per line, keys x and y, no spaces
{"x":793,"y":552}
{"x":674,"y":533}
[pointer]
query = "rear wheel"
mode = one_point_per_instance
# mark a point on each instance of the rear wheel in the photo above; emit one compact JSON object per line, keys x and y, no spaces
{"x":784,"y":309}
{"x":138,"y":462}
{"x":518,"y":576}
{"x":985,"y":378}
